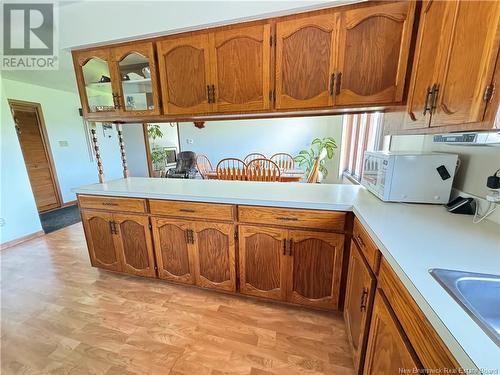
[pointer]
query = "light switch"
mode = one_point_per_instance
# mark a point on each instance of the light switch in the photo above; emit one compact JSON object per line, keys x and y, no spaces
{"x":63,"y":144}
{"x":189,"y":141}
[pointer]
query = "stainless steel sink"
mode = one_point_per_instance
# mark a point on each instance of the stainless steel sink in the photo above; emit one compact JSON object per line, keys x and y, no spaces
{"x":478,"y":294}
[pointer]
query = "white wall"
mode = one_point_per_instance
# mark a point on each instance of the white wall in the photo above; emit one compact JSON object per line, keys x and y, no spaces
{"x":222,"y":139}
{"x":135,"y":148}
{"x":18,"y":212}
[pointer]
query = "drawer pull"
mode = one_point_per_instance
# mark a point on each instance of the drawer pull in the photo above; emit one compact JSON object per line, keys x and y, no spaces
{"x":364,"y":297}
{"x":186,"y":210}
{"x":109,"y":204}
{"x":360,"y":240}
{"x":287,"y":218}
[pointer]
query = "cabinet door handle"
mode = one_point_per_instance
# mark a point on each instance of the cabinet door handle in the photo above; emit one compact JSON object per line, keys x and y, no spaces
{"x":116,"y":227}
{"x":435,"y":92}
{"x":427,"y":97}
{"x":112,"y":231}
{"x":285,"y":242}
{"x":339,"y":84}
{"x":186,"y":210}
{"x":189,"y":236}
{"x":109,"y":204}
{"x":290,"y":247}
{"x":208,"y":94}
{"x":332,"y":83}
{"x":213,"y":93}
{"x":364,"y":297}
{"x":360,"y":240}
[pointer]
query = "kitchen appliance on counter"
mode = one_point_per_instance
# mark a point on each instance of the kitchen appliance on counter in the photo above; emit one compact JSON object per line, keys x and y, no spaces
{"x":415,"y":177}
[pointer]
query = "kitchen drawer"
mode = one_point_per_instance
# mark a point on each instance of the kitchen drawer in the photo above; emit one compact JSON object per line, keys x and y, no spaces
{"x":112,"y":203}
{"x":293,"y":217}
{"x":209,"y":211}
{"x":366,"y":245}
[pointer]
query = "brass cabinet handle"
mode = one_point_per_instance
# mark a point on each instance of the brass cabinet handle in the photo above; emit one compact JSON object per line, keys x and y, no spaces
{"x":208,"y":94}
{"x":115,"y":226}
{"x":287,"y":218}
{"x":186,"y":210}
{"x":284,"y":246}
{"x":213,"y":93}
{"x":364,"y":297}
{"x":111,"y":227}
{"x":332,"y":83}
{"x":109,"y":204}
{"x":430,"y":99}
{"x":339,"y":84}
{"x":189,"y":236}
{"x":290,"y":247}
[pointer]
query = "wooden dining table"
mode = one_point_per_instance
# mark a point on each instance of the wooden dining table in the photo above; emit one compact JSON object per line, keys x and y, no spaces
{"x":287,"y":175}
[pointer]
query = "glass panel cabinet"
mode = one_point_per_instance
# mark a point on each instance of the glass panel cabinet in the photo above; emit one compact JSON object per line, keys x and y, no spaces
{"x":118,"y":81}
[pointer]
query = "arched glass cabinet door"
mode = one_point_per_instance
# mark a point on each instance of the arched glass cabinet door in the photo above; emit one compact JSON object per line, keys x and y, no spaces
{"x":95,"y":82}
{"x":136,"y":69}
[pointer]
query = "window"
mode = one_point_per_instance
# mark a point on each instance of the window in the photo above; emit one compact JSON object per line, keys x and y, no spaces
{"x":361,"y":132}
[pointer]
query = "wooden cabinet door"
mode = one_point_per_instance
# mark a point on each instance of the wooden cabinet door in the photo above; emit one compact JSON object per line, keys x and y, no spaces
{"x":174,"y":253}
{"x":373,"y":54}
{"x":305,"y":55}
{"x":133,"y":241}
{"x":431,"y":42}
{"x":469,"y":65}
{"x":138,"y":83}
{"x":358,"y":304}
{"x":262,"y":261}
{"x":96,"y":80}
{"x":185,"y":74}
{"x":389,"y":350}
{"x":315,"y":268}
{"x":241,"y":61}
{"x":100,"y":240}
{"x":214,"y":257}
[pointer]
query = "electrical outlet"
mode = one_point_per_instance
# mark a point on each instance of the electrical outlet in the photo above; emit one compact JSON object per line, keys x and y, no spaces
{"x":493,"y":196}
{"x":189,"y":141}
{"x":63,"y":144}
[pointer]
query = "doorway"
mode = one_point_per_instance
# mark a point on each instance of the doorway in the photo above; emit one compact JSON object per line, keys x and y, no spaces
{"x":32,"y":135}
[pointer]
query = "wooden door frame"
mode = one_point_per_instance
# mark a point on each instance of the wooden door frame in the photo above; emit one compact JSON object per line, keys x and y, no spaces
{"x":37,"y":107}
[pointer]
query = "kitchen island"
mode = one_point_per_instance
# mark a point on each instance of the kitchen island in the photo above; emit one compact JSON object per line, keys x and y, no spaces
{"x":411,"y":240}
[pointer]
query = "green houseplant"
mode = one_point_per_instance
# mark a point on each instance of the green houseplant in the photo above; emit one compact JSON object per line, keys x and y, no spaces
{"x":307,"y":157}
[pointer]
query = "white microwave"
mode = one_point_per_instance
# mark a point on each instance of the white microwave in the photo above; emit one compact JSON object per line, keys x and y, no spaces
{"x":409,"y":176}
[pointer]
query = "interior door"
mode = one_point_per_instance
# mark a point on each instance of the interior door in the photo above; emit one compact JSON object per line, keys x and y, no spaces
{"x":185,"y":74}
{"x":99,"y":232}
{"x":389,"y":350}
{"x":305,"y":55}
{"x":373,"y":54}
{"x":469,"y":66}
{"x":36,"y":154}
{"x":241,"y":65}
{"x":315,"y":268}
{"x":262,"y":261}
{"x":358,"y":304}
{"x":138,"y":88}
{"x":133,"y":240}
{"x":174,"y":252}
{"x":97,"y":84}
{"x":215,"y":255}
{"x":431,"y":42}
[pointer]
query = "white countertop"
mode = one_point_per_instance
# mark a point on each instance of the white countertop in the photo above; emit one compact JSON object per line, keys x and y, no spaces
{"x":412,"y":237}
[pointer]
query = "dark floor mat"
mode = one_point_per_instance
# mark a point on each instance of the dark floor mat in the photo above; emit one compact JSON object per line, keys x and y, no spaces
{"x":60,"y":218}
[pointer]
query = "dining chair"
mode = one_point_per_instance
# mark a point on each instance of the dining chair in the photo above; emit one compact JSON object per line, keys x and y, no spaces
{"x":231,"y":169}
{"x":204,"y":165}
{"x":283,"y":160}
{"x":263,"y":170}
{"x":252,"y":156}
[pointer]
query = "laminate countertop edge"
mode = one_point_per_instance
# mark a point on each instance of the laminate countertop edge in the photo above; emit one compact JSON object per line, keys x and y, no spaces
{"x":412,"y":237}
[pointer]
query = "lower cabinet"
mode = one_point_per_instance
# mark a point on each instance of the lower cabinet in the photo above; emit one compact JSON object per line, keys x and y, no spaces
{"x":358,"y":304}
{"x":200,"y":253}
{"x":389,"y":351}
{"x":119,"y":242}
{"x":302,"y":267}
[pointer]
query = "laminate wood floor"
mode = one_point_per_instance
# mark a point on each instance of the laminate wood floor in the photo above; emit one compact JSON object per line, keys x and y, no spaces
{"x":60,"y":316}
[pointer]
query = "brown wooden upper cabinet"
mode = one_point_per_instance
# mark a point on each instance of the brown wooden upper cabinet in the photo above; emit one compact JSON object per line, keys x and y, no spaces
{"x":305,"y":61}
{"x":222,"y":71}
{"x":118,"y":81}
{"x":373,"y":48}
{"x":457,"y":48}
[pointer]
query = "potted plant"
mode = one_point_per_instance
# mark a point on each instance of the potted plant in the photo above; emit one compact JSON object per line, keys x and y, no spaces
{"x":307,"y":157}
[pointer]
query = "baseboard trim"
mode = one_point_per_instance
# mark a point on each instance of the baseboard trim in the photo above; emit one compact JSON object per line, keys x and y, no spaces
{"x":20,"y":240}
{"x":70,"y":203}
